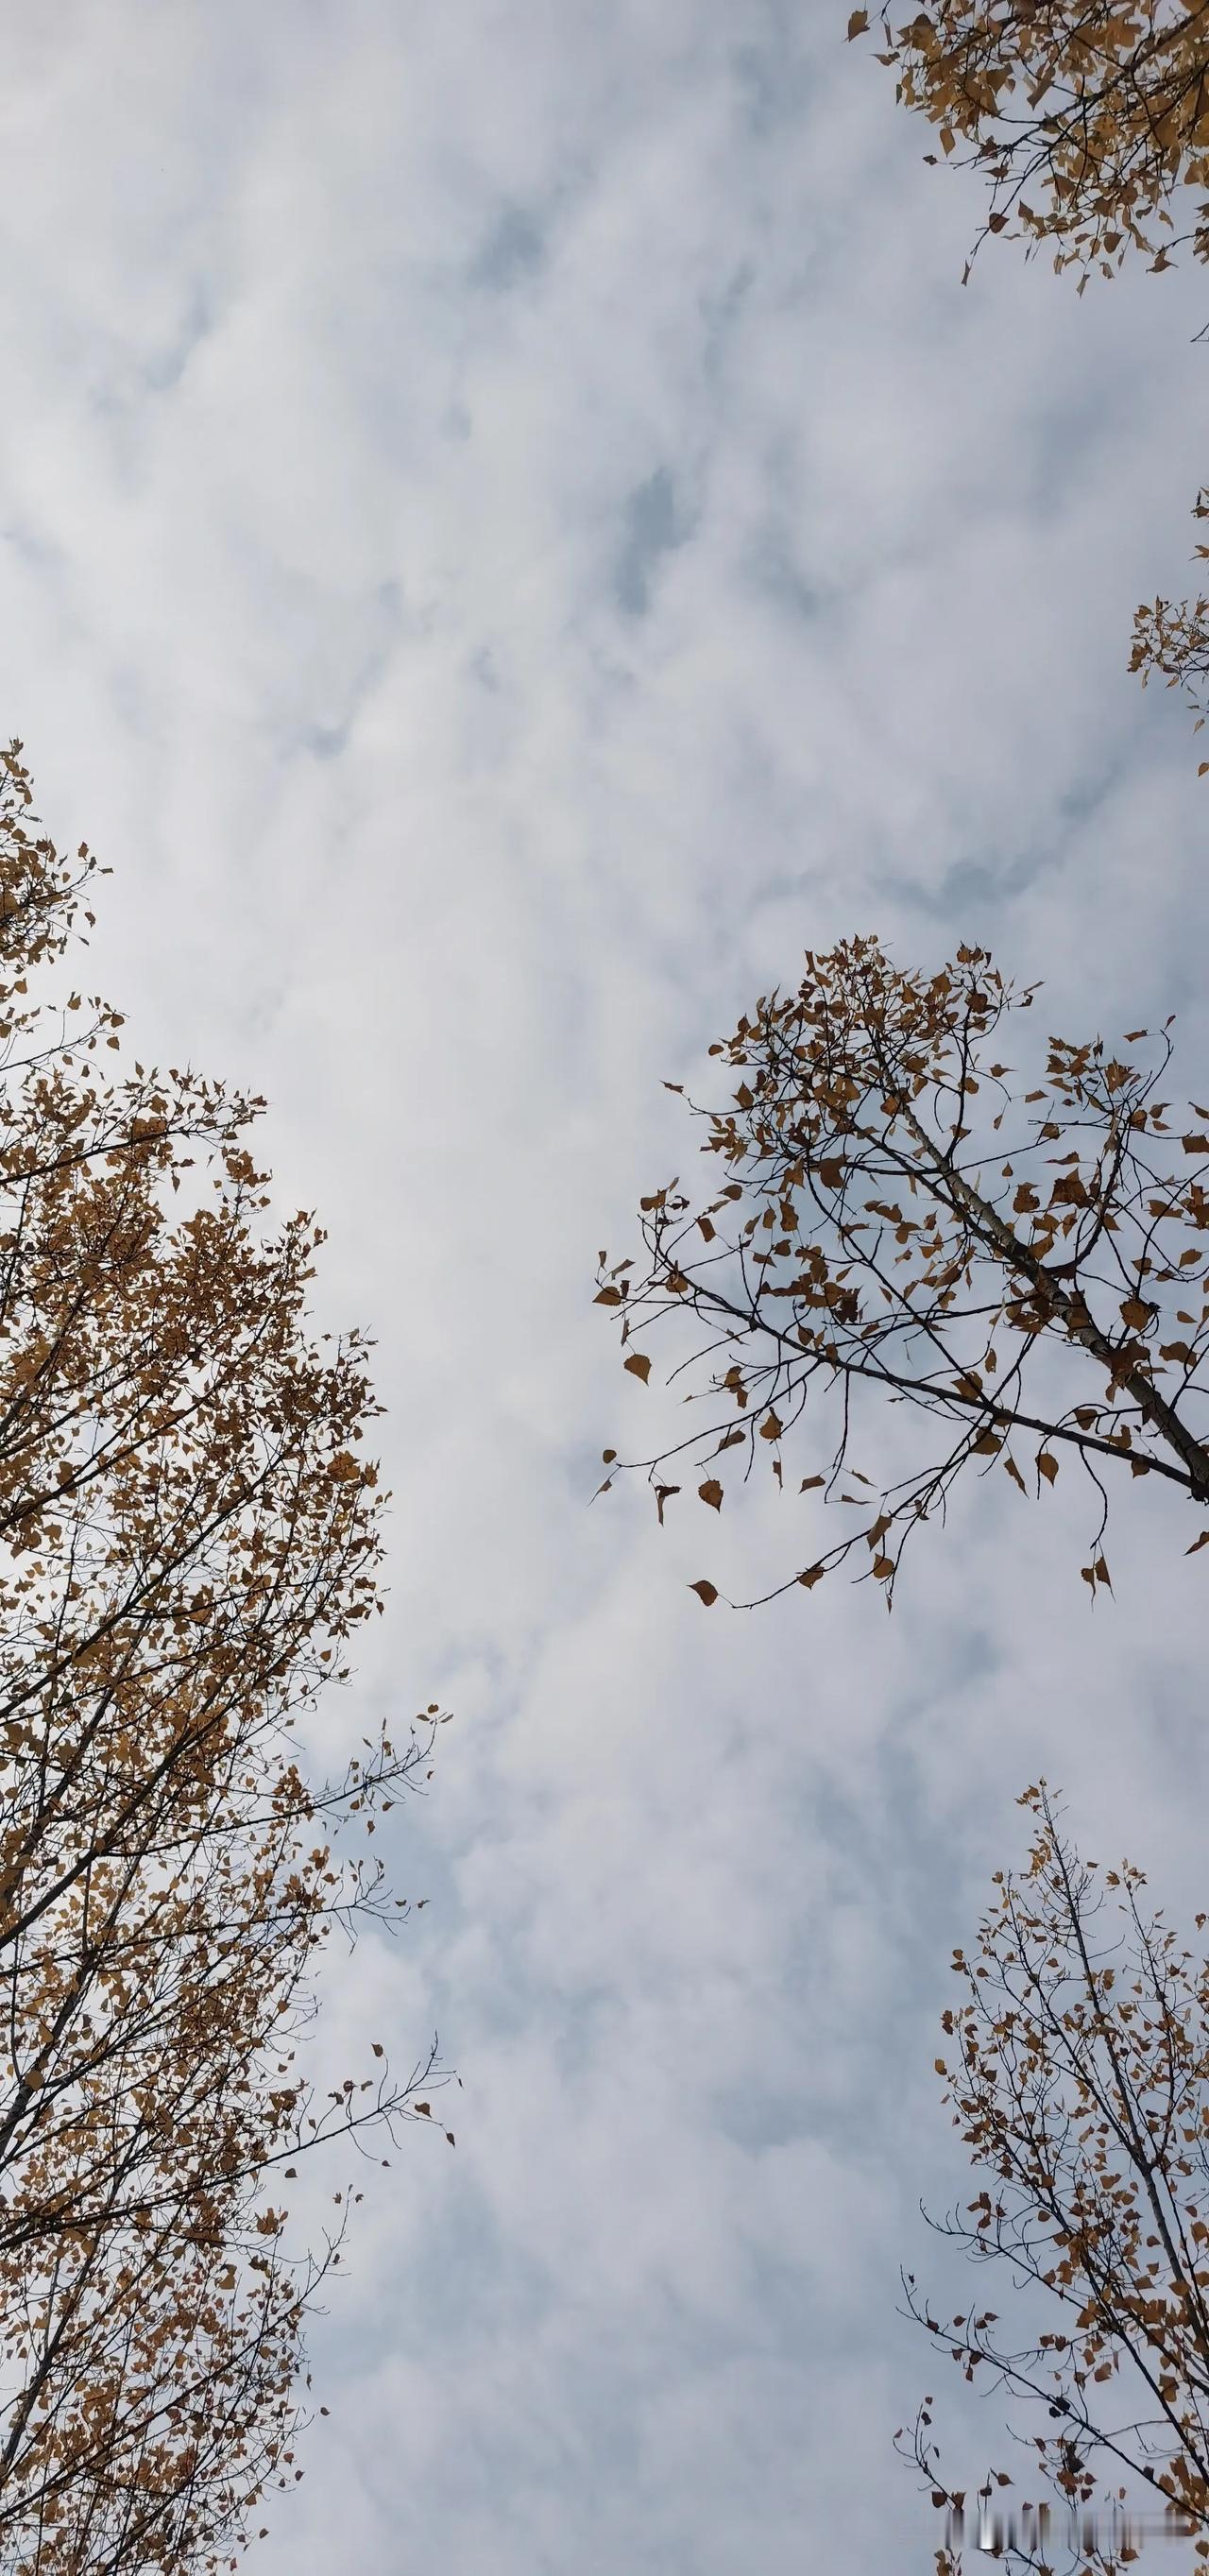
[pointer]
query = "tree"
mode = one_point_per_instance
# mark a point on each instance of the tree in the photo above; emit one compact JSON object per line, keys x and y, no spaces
{"x":188,"y":1538}
{"x":1088,"y":118}
{"x":1077,"y":2066}
{"x":1174,"y":641}
{"x":904,"y":1223}
{"x":1100,"y":112}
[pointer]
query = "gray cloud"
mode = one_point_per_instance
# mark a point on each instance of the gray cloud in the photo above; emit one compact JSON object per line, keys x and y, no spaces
{"x":653,"y":528}
{"x":513,"y":249}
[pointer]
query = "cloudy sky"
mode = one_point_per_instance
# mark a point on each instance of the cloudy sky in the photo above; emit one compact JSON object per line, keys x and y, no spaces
{"x":511,"y":529}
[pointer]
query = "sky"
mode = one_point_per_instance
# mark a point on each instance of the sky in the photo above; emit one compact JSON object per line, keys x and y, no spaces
{"x":510,"y":529}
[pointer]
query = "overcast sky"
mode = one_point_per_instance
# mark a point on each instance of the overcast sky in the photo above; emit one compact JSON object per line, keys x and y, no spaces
{"x":512,"y":529}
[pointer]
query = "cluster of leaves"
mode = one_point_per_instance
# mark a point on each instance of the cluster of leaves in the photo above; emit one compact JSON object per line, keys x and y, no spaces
{"x":1077,"y":2067}
{"x":1173,"y":639}
{"x":1088,"y":118}
{"x":900,"y":1222}
{"x":189,"y":1535}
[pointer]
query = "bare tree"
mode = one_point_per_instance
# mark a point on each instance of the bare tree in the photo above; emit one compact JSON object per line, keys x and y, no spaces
{"x":189,"y":1535}
{"x":1023,"y":1269}
{"x":1077,"y":2066}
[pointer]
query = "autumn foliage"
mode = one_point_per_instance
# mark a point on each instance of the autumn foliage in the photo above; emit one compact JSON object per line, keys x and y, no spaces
{"x":1172,"y":639}
{"x":189,"y":1538}
{"x":1077,"y":2065}
{"x":901,"y":1218}
{"x":1089,"y":119}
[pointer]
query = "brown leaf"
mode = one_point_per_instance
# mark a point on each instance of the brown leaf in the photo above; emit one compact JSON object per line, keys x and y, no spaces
{"x":1047,"y":1465}
{"x":809,"y":1481}
{"x":706,"y":1592}
{"x":1014,"y":1473}
{"x":771,"y":1427}
{"x":813,"y":1574}
{"x":663,"y":1494}
{"x":608,"y":1297}
{"x":857,"y":23}
{"x":711,"y":1493}
{"x":639,"y":1365}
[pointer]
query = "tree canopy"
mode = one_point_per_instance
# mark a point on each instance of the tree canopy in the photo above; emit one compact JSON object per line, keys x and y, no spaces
{"x":1077,"y":2066}
{"x":1019,"y":1260}
{"x":1088,"y":119}
{"x":189,"y":1538}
